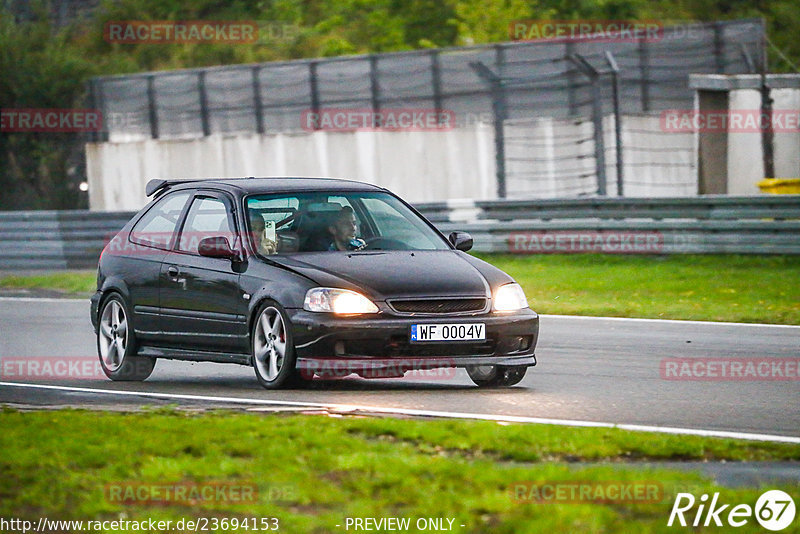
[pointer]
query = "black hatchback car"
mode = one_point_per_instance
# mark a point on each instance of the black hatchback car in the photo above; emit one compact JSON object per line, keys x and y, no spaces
{"x":303,"y":277}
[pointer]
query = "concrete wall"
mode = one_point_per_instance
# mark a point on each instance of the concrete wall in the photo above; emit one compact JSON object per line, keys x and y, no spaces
{"x":745,"y":160}
{"x":551,"y":158}
{"x":745,"y":163}
{"x":419,"y":166}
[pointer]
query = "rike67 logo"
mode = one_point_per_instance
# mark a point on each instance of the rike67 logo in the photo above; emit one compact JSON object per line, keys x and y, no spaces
{"x":774,"y":510}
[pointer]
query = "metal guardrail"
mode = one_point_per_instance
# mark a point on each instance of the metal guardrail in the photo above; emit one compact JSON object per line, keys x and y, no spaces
{"x":704,"y":224}
{"x":56,"y":240}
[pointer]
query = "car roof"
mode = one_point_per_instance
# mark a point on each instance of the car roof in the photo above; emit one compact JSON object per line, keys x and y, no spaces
{"x":282,"y":184}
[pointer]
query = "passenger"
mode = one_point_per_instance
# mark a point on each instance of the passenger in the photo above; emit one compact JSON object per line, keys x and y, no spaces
{"x":263,"y":244}
{"x":343,"y":231}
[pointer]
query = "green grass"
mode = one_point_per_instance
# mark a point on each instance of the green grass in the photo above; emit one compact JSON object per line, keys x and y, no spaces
{"x":72,"y":283}
{"x":763,"y":289}
{"x":760,"y":289}
{"x":313,"y":471}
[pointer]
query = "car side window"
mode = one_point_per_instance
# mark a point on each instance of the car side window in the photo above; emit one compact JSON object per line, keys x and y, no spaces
{"x":207,"y":217}
{"x":157,"y":227}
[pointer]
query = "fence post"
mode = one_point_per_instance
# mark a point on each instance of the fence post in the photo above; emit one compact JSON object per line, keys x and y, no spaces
{"x":312,"y":80}
{"x":436,"y":80}
{"x":152,"y":106}
{"x":572,"y":99}
{"x":201,"y":87}
{"x":500,"y":115}
{"x":259,"y":105}
{"x":597,"y":119}
{"x":644,"y":73}
{"x":767,"y":134}
{"x":617,"y":120}
{"x":374,"y":85}
{"x":719,"y":48}
{"x":96,"y":103}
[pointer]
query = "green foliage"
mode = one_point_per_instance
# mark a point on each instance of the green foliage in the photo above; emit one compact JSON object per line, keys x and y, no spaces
{"x":41,"y":69}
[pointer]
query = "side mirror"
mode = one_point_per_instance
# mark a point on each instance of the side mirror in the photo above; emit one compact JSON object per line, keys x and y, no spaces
{"x":460,"y":240}
{"x":216,"y":247}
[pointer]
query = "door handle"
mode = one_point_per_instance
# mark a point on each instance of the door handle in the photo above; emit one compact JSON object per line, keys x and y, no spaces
{"x":172,"y":271}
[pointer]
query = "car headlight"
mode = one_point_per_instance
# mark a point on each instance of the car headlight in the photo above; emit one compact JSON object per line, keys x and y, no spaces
{"x":339,"y":301}
{"x":510,"y":297}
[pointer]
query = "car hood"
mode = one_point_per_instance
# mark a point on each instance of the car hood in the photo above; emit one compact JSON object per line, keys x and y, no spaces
{"x":392,"y":274}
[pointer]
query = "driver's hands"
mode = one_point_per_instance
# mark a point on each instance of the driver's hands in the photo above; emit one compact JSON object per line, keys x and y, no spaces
{"x":267,"y":246}
{"x":356,"y":244}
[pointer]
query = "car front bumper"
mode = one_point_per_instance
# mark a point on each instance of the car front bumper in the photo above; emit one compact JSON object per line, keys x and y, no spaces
{"x":381,"y":346}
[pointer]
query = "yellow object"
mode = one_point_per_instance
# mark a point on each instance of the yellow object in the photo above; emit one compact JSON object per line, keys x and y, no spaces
{"x":780,"y":186}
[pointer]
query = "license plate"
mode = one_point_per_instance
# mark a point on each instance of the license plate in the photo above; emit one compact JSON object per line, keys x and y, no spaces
{"x":448,"y":332}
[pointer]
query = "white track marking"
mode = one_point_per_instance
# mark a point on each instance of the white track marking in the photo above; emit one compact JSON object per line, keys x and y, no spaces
{"x":42,"y":299}
{"x":423,"y":413}
{"x":670,"y":321}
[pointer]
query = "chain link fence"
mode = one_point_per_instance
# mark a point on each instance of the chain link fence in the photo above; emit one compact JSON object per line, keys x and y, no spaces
{"x":554,"y":146}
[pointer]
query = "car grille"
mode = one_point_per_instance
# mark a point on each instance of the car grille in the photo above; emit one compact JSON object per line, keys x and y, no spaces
{"x":438,"y":305}
{"x":399,"y":346}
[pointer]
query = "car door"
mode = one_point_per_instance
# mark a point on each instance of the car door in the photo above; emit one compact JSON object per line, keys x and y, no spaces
{"x":149,"y":241}
{"x":202,"y":305}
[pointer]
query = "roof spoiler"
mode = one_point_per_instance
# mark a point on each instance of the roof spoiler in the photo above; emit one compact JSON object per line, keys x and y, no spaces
{"x":153,"y":186}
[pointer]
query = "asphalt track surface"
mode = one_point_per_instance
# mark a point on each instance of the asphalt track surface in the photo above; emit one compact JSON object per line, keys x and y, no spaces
{"x":590,"y":370}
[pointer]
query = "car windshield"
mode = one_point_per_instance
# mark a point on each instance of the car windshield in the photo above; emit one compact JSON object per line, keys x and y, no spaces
{"x":336,"y":221}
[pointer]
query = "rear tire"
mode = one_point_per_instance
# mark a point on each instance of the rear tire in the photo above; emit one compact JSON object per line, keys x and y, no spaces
{"x":272,"y":348}
{"x":116,"y":343}
{"x":496,"y":376}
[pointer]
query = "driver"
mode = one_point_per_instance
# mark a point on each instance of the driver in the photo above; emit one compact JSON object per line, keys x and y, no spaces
{"x":263,"y":244}
{"x":343,"y":231}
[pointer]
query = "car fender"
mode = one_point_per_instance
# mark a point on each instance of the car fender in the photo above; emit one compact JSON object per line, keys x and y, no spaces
{"x":289,"y":298}
{"x":115,"y":284}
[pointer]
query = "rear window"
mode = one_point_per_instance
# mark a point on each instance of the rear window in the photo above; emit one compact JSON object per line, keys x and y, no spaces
{"x":156,"y":228}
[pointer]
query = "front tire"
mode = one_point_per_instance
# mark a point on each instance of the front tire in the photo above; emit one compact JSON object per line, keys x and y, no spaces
{"x":272,"y":348}
{"x":496,"y":376}
{"x":116,"y":343}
